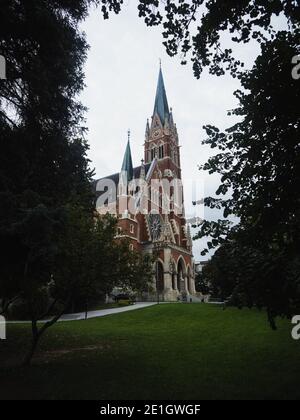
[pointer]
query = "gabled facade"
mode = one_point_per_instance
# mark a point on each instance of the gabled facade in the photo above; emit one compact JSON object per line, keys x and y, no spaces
{"x":148,"y":201}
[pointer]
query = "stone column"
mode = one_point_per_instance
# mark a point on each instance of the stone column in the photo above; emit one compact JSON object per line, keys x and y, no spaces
{"x":185,"y":277}
{"x":193,"y":286}
{"x":175,"y":274}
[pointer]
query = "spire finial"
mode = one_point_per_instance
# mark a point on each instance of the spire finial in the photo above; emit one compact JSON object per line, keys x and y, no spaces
{"x":160,"y":63}
{"x":143,"y":171}
{"x":129,"y":134}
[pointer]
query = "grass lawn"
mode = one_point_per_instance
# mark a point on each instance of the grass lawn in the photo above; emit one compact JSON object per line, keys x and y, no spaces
{"x":176,"y":351}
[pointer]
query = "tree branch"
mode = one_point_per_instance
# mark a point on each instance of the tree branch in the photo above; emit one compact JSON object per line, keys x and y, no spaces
{"x":7,"y":304}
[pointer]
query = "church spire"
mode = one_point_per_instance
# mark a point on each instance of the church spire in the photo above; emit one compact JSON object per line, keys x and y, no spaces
{"x":127,"y":166}
{"x":161,"y":106}
{"x":147,"y":133}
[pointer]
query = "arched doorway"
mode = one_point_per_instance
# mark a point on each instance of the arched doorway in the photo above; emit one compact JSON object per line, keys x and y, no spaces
{"x":159,"y":277}
{"x":181,"y":272}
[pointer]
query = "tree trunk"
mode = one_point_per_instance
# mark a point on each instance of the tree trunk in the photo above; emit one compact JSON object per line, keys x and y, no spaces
{"x":29,"y":356}
{"x":34,"y":342}
{"x":271,"y":319}
{"x":86,"y":309}
{"x":37,"y":333}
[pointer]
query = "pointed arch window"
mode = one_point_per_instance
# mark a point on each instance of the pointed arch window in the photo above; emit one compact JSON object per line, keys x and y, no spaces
{"x":176,"y":158}
{"x":161,"y":151}
{"x":153,"y":152}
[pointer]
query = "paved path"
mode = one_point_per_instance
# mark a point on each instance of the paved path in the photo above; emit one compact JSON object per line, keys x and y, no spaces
{"x":104,"y":312}
{"x":95,"y":314}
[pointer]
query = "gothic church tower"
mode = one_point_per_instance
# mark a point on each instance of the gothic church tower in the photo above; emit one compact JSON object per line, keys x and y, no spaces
{"x":161,"y":140}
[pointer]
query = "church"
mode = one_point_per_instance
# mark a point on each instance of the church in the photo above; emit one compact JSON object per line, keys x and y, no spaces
{"x":148,"y":201}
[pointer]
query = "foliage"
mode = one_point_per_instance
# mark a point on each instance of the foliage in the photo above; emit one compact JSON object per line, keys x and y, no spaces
{"x":260,"y":167}
{"x":255,"y":276}
{"x":43,"y":164}
{"x":259,"y":156}
{"x":195,"y":28}
{"x":202,"y":284}
{"x":125,"y":302}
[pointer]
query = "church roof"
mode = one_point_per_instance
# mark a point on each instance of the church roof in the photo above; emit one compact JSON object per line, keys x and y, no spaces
{"x":127,"y":163}
{"x":161,"y":106}
{"x":115,"y":177}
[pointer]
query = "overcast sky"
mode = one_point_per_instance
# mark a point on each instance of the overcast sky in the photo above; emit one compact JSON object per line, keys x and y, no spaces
{"x":121,"y":77}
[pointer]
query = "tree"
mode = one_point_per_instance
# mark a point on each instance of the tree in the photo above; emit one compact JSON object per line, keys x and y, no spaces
{"x":88,"y":262}
{"x":259,"y":156}
{"x":202,"y":284}
{"x":135,"y":270}
{"x":259,"y":164}
{"x":249,"y":276}
{"x":43,"y":162}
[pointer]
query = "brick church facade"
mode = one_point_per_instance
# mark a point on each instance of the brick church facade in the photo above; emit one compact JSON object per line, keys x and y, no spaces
{"x":149,"y":203}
